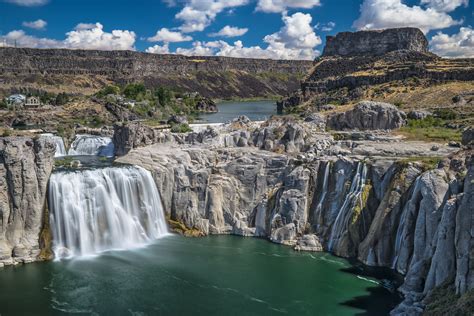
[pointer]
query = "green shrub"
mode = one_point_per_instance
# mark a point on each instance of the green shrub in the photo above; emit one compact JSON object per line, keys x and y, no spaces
{"x":445,"y":114}
{"x":132,"y":90}
{"x":181,"y":128}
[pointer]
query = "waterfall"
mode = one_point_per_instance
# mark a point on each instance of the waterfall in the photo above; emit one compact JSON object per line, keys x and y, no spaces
{"x":345,"y":213}
{"x":87,"y":145}
{"x":322,"y":198}
{"x":60,"y":148}
{"x":104,"y":209}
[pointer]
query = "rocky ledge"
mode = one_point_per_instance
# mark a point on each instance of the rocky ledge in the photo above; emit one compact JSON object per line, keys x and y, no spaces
{"x":292,"y":183}
{"x":25,"y":167}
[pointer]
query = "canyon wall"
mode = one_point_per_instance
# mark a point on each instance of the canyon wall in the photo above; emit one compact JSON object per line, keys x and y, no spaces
{"x":387,"y":211}
{"x":25,"y":167}
{"x":376,"y":42}
{"x":86,"y":70}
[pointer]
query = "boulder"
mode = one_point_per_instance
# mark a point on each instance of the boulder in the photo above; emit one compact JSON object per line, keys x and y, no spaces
{"x":418,"y":114}
{"x":468,"y":137}
{"x":368,"y":115}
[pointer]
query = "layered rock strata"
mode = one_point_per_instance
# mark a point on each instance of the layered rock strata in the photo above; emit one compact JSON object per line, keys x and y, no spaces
{"x":25,"y":167}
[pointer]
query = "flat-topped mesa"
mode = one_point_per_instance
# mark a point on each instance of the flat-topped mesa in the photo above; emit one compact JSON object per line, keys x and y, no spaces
{"x":375,"y":43}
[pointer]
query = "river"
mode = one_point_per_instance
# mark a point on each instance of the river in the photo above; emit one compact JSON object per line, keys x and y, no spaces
{"x":217,"y":275}
{"x":254,"y":110}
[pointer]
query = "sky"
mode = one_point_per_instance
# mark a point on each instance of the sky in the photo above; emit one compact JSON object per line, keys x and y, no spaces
{"x":277,"y":29}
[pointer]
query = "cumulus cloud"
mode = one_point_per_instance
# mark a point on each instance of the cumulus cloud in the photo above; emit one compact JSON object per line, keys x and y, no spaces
{"x":230,"y":31}
{"x":198,"y":14}
{"x":380,"y":14}
{"x":28,"y":3}
{"x":445,"y":5}
{"x":167,"y":36}
{"x":456,"y":45}
{"x":84,"y":36}
{"x":37,"y":25}
{"x":274,"y":6}
{"x":158,"y":49}
{"x":295,"y":40}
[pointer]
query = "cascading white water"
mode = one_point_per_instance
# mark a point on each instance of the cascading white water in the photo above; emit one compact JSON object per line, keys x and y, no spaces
{"x":345,"y":213}
{"x":317,"y":211}
{"x":104,"y":209}
{"x":60,"y":148}
{"x":87,"y":145}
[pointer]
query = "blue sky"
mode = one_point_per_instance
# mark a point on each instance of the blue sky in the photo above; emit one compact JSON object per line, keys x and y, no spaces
{"x":291,"y":29}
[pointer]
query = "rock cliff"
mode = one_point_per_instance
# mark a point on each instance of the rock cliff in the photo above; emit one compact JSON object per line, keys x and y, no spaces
{"x":369,"y":43}
{"x":88,"y":71}
{"x":25,"y":167}
{"x":380,"y":65}
{"x":385,"y":210}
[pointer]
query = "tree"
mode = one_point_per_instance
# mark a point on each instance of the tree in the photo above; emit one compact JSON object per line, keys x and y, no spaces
{"x":132,"y":90}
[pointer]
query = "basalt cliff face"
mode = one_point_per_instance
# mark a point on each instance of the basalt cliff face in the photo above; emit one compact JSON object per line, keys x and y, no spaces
{"x":293,"y":184}
{"x":379,"y":65}
{"x":367,"y":43}
{"x":25,"y":167}
{"x":87,"y":71}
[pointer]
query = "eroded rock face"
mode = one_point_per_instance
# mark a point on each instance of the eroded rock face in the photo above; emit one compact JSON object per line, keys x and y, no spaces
{"x":25,"y":167}
{"x":375,"y":42}
{"x":384,"y":212}
{"x":368,"y":115}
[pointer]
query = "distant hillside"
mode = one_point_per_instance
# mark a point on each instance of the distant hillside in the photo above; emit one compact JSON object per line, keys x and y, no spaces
{"x":392,"y":65}
{"x":86,"y":71}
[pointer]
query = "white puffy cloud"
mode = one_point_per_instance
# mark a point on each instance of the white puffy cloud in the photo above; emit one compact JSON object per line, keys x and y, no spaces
{"x":273,"y":6}
{"x":84,"y":36}
{"x":198,"y":14}
{"x":28,"y":3}
{"x":380,"y":14}
{"x":37,"y":25}
{"x":297,"y":33}
{"x":456,"y":45}
{"x":230,"y":31}
{"x":445,"y":5}
{"x":95,"y":38}
{"x":295,"y":40}
{"x":157,"y":49}
{"x":20,"y":39}
{"x":167,"y":36}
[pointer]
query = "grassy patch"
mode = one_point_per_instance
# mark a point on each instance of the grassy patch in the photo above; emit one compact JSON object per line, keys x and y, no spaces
{"x":429,"y":129}
{"x":427,"y":163}
{"x":181,"y":128}
{"x":444,"y":301}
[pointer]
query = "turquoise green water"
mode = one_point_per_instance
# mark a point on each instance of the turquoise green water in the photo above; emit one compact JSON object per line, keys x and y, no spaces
{"x":219,"y":275}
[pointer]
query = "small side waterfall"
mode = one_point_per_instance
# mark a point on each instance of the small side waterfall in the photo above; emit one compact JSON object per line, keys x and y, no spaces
{"x":345,"y":213}
{"x":322,"y":197}
{"x":87,"y":145}
{"x":104,"y":209}
{"x":60,"y":148}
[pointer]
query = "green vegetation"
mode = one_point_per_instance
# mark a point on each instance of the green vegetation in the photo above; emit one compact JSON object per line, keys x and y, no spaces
{"x":427,"y":163}
{"x":181,"y":128}
{"x":364,"y":197}
{"x":443,"y":300}
{"x":155,"y":104}
{"x":3,"y":104}
{"x":63,"y":162}
{"x":430,"y":129}
{"x":6,"y":133}
{"x":134,"y":91}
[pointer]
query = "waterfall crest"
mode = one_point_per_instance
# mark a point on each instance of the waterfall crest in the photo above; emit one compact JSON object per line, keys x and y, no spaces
{"x":104,"y":209}
{"x":87,"y":145}
{"x":60,"y":148}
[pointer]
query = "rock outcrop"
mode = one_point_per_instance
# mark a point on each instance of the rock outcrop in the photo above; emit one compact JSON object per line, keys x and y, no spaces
{"x":368,"y":115}
{"x":211,"y":76}
{"x":377,"y":42}
{"x":25,"y":167}
{"x":409,"y":216}
{"x":372,"y":64}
